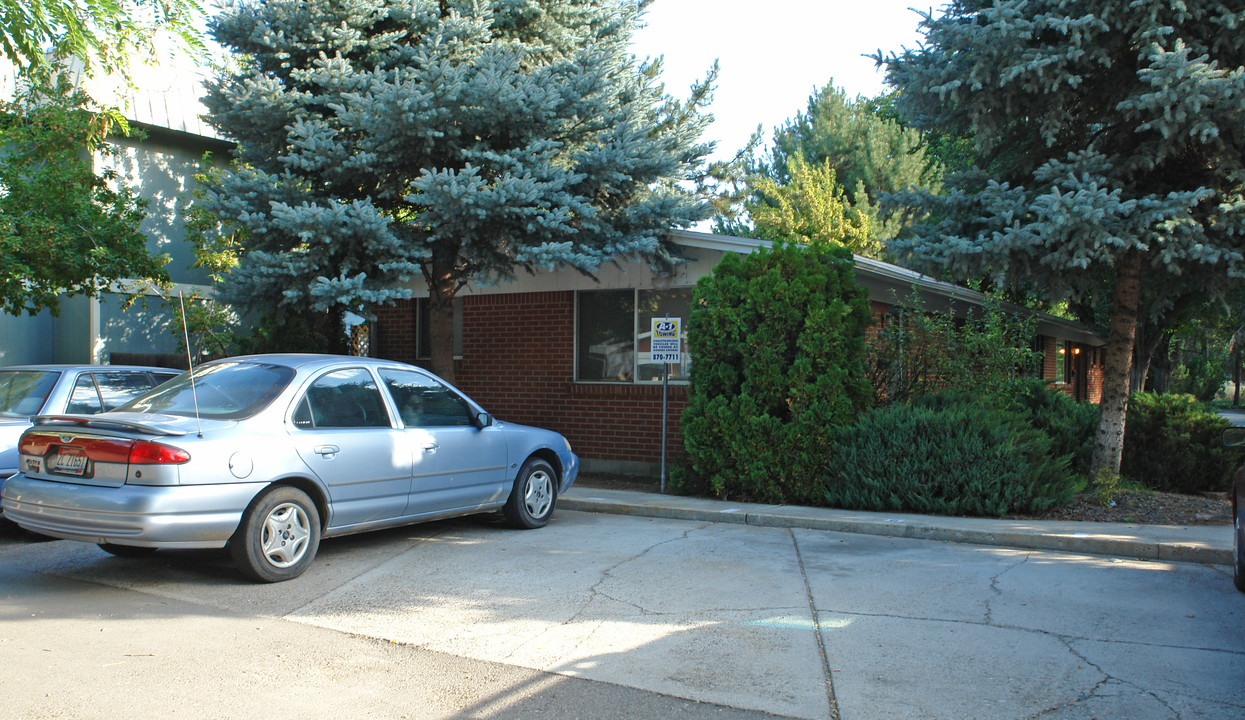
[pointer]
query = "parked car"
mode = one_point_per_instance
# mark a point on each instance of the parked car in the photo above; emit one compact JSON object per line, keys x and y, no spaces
{"x":29,"y":390}
{"x":267,"y":454}
{"x":1235,"y":437}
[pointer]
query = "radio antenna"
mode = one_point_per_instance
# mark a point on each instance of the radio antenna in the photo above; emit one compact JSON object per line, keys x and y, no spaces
{"x":190,"y":364}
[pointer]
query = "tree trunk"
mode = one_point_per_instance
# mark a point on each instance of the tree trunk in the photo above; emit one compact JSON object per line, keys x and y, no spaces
{"x":441,"y":289}
{"x":1146,"y":341}
{"x":1109,"y":436}
{"x":1159,"y":376}
{"x":1236,"y":355}
{"x":1140,"y":366}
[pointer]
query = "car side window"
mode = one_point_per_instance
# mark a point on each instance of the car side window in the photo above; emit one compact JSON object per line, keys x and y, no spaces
{"x":422,"y":401}
{"x":85,"y":398}
{"x":342,"y":399}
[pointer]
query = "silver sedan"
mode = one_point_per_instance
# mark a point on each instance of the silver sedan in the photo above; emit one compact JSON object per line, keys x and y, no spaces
{"x":267,"y":454}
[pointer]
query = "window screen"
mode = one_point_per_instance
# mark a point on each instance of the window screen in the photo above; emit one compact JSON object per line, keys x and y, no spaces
{"x":613,"y":334}
{"x":605,"y":330}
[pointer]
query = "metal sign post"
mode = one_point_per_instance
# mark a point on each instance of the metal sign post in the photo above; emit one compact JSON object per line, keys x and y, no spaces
{"x":665,"y":348}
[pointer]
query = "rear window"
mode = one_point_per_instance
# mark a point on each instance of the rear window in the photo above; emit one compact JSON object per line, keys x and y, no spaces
{"x":116,"y":388}
{"x":226,"y":391}
{"x":23,"y":392}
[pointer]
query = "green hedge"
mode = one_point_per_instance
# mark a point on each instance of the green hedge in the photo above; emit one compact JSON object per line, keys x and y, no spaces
{"x":1172,"y":443}
{"x":778,"y":337}
{"x":961,"y":458}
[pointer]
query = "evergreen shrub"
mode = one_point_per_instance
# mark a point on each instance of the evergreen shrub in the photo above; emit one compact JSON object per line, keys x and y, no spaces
{"x":1069,"y":424}
{"x":778,"y":337}
{"x":959,"y":458}
{"x":1172,"y":443}
{"x":1200,"y":377}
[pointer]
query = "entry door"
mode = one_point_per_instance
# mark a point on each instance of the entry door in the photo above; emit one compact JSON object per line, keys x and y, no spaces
{"x":344,"y":434}
{"x":456,"y":464}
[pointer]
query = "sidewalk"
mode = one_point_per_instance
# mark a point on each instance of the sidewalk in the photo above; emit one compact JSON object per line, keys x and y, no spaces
{"x":1210,"y":545}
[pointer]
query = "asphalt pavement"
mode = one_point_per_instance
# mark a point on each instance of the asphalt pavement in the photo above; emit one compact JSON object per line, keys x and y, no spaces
{"x":639,"y":605}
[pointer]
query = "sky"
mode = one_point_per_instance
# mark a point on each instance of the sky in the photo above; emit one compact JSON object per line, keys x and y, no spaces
{"x":772,"y":61}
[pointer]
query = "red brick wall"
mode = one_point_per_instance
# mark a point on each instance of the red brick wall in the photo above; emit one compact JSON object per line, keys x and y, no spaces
{"x":518,"y":362}
{"x":394,"y":332}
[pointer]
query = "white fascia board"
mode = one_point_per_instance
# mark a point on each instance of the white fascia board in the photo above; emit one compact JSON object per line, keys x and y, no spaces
{"x":891,"y":284}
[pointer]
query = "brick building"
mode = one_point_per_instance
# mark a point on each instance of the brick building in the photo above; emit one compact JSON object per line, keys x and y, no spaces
{"x":570,"y":353}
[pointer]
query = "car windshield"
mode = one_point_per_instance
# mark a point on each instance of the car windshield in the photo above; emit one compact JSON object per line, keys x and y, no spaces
{"x":225,"y":391}
{"x":23,"y":392}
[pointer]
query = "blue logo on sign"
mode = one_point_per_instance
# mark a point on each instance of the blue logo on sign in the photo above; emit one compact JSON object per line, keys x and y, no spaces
{"x":666,"y":326}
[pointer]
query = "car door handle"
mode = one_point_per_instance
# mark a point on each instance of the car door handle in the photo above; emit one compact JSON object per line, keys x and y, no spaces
{"x":431,"y":448}
{"x":326,"y":450}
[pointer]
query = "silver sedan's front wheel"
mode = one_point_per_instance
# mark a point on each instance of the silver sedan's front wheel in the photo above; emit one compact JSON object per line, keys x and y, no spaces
{"x":278,"y":537}
{"x":286,"y":534}
{"x":534,"y":495}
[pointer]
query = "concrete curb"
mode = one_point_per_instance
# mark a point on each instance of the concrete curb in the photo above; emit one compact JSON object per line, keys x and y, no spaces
{"x":1210,"y":545}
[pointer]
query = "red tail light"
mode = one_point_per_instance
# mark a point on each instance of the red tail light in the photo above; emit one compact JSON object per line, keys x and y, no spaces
{"x":35,"y":443}
{"x":145,"y":452}
{"x":140,"y":452}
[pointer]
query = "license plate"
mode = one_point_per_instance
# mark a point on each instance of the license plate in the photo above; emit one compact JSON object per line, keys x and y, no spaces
{"x":69,"y":463}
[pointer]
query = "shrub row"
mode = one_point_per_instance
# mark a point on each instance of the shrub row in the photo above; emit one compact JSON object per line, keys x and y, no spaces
{"x":948,"y":458}
{"x":963,"y":454}
{"x":779,"y":382}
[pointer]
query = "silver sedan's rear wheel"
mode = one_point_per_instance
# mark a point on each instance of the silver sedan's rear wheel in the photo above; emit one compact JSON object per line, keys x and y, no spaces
{"x":534,"y":495}
{"x":278,"y":537}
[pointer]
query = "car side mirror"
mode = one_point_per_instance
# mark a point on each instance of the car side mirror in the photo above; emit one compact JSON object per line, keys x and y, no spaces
{"x":1234,"y":436}
{"x":483,"y":420}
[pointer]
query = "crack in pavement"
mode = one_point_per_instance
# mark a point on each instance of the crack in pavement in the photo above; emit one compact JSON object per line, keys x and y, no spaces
{"x":1107,"y":680}
{"x":594,"y":593}
{"x":817,"y":631}
{"x":994,"y":586}
{"x":1035,"y":631}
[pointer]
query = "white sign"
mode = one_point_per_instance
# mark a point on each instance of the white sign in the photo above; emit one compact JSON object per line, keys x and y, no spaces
{"x":666,"y":341}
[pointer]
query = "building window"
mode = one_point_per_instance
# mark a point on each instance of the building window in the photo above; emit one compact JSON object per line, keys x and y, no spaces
{"x":613,"y":334}
{"x":1061,"y":361}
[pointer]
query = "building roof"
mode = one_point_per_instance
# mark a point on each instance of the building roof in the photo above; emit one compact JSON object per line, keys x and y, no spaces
{"x":892,"y":285}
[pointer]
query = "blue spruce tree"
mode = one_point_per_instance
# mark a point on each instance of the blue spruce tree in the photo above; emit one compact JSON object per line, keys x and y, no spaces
{"x":460,"y":140}
{"x":1113,"y":133}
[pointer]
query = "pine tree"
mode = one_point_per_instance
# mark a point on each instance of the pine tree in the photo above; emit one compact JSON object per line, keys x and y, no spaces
{"x":459,"y":140}
{"x":869,"y":151}
{"x":1114,"y":131}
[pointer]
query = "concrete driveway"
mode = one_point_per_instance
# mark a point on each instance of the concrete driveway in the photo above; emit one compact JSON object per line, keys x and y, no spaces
{"x":604,"y":616}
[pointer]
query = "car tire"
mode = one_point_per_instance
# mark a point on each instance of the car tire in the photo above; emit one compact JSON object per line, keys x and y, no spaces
{"x":533,"y":497}
{"x":278,"y":536}
{"x":126,"y":551}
